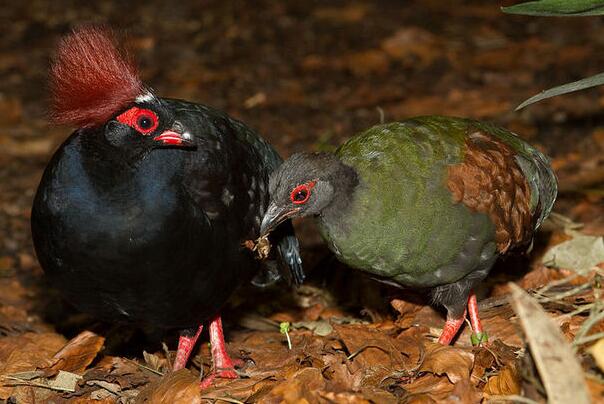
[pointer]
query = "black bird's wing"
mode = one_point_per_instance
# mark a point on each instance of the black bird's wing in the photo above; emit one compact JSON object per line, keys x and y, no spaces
{"x":216,"y":129}
{"x":289,"y":260}
{"x":289,"y":253}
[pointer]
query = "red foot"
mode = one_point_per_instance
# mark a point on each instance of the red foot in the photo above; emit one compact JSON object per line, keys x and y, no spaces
{"x":479,"y":336}
{"x":450,"y":329}
{"x":223,"y":364}
{"x":223,"y":374}
{"x":185,"y":347}
{"x":452,"y":325}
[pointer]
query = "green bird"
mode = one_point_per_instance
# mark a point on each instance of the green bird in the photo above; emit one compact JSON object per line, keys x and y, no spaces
{"x":429,"y":202}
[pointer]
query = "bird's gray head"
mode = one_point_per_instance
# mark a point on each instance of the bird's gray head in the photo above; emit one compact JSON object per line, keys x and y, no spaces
{"x":305,"y":185}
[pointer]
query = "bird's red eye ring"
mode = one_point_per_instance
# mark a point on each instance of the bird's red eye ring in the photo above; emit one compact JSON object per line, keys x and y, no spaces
{"x":301,"y":193}
{"x":144,"y":121}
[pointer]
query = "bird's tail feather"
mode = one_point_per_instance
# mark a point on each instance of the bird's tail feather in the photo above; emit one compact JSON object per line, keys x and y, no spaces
{"x":542,"y":181}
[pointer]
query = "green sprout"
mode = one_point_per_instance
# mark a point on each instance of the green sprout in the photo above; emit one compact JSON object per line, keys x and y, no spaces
{"x":284,"y":329}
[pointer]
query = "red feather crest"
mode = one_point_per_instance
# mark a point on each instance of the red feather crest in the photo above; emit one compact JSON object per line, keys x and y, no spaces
{"x":91,"y":79}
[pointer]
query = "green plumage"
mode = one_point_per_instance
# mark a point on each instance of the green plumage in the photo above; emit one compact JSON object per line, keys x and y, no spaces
{"x":402,"y":223}
{"x":430,"y":202}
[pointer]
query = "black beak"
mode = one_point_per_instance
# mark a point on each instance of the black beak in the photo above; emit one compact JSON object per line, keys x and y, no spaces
{"x":274,"y":216}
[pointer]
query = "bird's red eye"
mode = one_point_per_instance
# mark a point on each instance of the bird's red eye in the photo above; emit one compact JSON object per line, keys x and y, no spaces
{"x":144,"y":121}
{"x":301,"y":193}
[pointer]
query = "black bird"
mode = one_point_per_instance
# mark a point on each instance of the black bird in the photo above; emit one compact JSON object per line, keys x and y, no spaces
{"x":141,"y":215}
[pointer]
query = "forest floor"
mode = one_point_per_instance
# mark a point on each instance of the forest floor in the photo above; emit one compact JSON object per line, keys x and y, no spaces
{"x":307,"y":75}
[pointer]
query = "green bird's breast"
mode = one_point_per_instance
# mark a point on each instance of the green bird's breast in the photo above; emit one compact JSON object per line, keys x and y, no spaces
{"x":403,"y":224}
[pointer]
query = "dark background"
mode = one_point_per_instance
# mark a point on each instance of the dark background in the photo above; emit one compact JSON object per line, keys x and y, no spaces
{"x":306,"y":75}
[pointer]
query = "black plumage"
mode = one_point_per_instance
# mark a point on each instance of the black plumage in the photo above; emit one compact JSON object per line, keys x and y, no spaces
{"x":143,"y":218}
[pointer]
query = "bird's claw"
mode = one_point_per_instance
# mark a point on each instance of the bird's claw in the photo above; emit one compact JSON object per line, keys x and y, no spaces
{"x":222,"y":374}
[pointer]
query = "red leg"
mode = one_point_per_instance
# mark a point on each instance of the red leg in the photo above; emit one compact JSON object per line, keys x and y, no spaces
{"x":223,"y":364}
{"x":479,"y":336}
{"x":186,"y":344}
{"x":452,"y":326}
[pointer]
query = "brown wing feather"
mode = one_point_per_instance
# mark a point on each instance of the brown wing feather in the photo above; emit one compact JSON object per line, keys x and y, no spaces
{"x":490,"y":181}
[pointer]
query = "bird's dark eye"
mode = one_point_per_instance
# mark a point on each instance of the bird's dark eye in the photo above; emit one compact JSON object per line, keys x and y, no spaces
{"x":144,"y":121}
{"x":301,"y":193}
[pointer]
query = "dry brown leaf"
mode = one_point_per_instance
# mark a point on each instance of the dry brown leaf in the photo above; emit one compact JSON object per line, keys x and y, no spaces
{"x":268,"y":350}
{"x":465,"y":392}
{"x":371,"y":348}
{"x":453,"y":362}
{"x":76,"y":355}
{"x":118,"y":370}
{"x":25,"y":353}
{"x":496,"y":355}
{"x":330,"y":312}
{"x":596,"y":389}
{"x":11,"y":110}
{"x":404,"y":307}
{"x":506,"y":382}
{"x":246,"y":390}
{"x":313,"y":312}
{"x":513,"y":56}
{"x":338,"y":374}
{"x":428,"y":389}
{"x":379,"y":396}
{"x":438,"y":389}
{"x":301,"y":387}
{"x":154,"y":361}
{"x":365,"y":397}
{"x":370,"y":61}
{"x":536,"y":278}
{"x":110,"y":399}
{"x":348,"y":14}
{"x":558,"y":367}
{"x":470,"y":103}
{"x":413,"y":45}
{"x":179,"y":387}
{"x":367,"y":62}
{"x":407,"y":312}
{"x":483,"y":360}
{"x":28,"y":351}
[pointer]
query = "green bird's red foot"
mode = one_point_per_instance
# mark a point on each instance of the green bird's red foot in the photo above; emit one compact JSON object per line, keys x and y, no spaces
{"x":452,"y":325}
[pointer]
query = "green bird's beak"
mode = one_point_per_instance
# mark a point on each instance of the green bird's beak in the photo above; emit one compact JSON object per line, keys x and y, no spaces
{"x":274,"y":216}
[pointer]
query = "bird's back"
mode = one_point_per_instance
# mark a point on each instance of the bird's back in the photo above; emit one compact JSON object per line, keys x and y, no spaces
{"x":420,"y":216}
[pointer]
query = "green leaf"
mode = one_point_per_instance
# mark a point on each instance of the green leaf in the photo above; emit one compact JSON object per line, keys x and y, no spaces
{"x":557,"y":8}
{"x":284,"y":327}
{"x":582,"y":84}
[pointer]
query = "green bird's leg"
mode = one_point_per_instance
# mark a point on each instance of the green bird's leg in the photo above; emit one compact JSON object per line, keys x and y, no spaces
{"x":479,"y":336}
{"x":452,"y":325}
{"x":450,"y":329}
